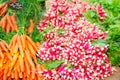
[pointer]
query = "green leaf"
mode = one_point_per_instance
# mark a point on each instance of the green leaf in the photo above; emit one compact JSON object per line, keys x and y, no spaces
{"x":47,"y":30}
{"x":39,"y":61}
{"x":53,"y":64}
{"x":60,"y":31}
{"x":69,"y":66}
{"x":37,"y":36}
{"x":101,"y":43}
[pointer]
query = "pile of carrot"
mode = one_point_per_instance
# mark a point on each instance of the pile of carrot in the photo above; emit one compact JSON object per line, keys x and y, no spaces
{"x":18,"y":59}
{"x":9,"y":23}
{"x":3,"y":8}
{"x":5,"y":58}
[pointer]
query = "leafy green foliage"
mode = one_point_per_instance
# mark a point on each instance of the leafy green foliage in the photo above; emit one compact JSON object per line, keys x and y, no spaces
{"x":39,"y":61}
{"x":101,"y":43}
{"x":60,"y":31}
{"x":5,"y":36}
{"x":53,"y":64}
{"x":37,"y":36}
{"x":69,"y":66}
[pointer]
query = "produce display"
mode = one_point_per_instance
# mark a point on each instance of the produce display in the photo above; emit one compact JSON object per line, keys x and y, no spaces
{"x":57,"y":43}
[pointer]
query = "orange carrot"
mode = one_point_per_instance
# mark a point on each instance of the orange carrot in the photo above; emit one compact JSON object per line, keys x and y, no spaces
{"x":14,"y":0}
{"x":32,"y":43}
{"x":20,"y":74}
{"x":1,"y":54}
{"x":13,"y":21}
{"x":16,"y":48}
{"x":2,"y":5}
{"x":30,"y":48}
{"x":8,"y":28}
{"x":15,"y":57}
{"x":21,"y":63}
{"x":1,"y":73}
{"x":16,"y":75}
{"x":12,"y":45}
{"x":31,"y":27}
{"x":37,"y":44}
{"x":5,"y":59}
{"x":4,"y":10}
{"x":10,"y":22}
{"x":35,"y":59}
{"x":0,"y":24}
{"x":27,"y":54}
{"x":27,"y":66}
{"x":23,"y":40}
{"x":9,"y":78}
{"x":4,"y":22}
{"x":8,"y":55}
{"x":5,"y":43}
{"x":1,"y":63}
{"x":42,"y":67}
{"x":12,"y":74}
{"x":3,"y":47}
{"x":33,"y":72}
{"x":4,"y":77}
{"x":20,"y":46}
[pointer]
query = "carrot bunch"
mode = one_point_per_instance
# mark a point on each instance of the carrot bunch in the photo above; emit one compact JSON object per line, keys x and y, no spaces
{"x":22,"y":62}
{"x":3,"y":9}
{"x":9,"y":23}
{"x":5,"y":58}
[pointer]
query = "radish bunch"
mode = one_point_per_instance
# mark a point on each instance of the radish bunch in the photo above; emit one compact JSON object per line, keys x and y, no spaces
{"x":73,"y":44}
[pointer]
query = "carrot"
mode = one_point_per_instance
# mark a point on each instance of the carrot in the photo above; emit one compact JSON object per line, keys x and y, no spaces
{"x":8,"y":55}
{"x":6,"y":70}
{"x":8,"y":28}
{"x":1,"y":54}
{"x":4,"y":22}
{"x":16,"y":48}
{"x":20,"y":46}
{"x":4,"y":10}
{"x":5,"y":60}
{"x":0,"y":24}
{"x":21,"y":63}
{"x":4,"y":77}
{"x":20,"y":75}
{"x":1,"y":63}
{"x":37,"y":44}
{"x":9,"y":78}
{"x":35,"y":59}
{"x":27,"y":54}
{"x":16,"y":75}
{"x":10,"y":22}
{"x":33,"y":72}
{"x":9,"y":72}
{"x":30,"y":48}
{"x":14,"y":0}
{"x":31,"y":27}
{"x":27,"y":66}
{"x":42,"y":67}
{"x":15,"y":57}
{"x":5,"y":43}
{"x":3,"y":47}
{"x":12,"y":74}
{"x":13,"y":46}
{"x":13,"y":21}
{"x":1,"y":73}
{"x":2,"y":5}
{"x":23,"y":38}
{"x":32,"y":43}
{"x":39,"y":75}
